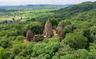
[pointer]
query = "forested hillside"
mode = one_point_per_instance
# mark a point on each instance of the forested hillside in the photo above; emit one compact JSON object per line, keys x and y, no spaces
{"x":74,"y":10}
{"x":4,"y":10}
{"x":67,"y":33}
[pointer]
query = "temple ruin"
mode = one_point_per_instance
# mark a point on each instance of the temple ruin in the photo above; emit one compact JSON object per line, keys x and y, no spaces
{"x":48,"y":32}
{"x":60,"y":30}
{"x":29,"y":35}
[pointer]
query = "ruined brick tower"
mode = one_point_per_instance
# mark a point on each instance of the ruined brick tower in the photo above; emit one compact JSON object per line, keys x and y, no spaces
{"x":29,"y":35}
{"x":48,"y":29}
{"x":60,"y":30}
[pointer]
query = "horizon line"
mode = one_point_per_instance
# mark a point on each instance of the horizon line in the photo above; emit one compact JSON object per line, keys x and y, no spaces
{"x":34,"y":4}
{"x":44,"y":4}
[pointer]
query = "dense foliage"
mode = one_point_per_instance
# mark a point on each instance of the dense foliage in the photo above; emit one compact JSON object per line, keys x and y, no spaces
{"x":79,"y":34}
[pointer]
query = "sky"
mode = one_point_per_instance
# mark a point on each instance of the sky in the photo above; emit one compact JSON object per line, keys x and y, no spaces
{"x":25,"y":2}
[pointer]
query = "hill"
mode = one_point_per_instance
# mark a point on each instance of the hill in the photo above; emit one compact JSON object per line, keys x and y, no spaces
{"x":74,"y":10}
{"x":84,"y":10}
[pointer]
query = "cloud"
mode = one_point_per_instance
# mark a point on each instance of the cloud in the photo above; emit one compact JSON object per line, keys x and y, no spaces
{"x":18,"y":2}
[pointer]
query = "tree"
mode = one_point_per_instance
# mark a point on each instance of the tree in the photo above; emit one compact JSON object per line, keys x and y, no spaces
{"x":38,"y":29}
{"x":5,"y":42}
{"x":75,"y":40}
{"x":69,"y":28}
{"x":93,"y":33}
{"x":2,"y":51}
{"x":78,"y":54}
{"x":92,"y":49}
{"x":82,"y":54}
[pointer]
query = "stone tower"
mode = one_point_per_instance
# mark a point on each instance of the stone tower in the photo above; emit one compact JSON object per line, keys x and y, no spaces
{"x":29,"y":35}
{"x":48,"y":32}
{"x":60,"y":30}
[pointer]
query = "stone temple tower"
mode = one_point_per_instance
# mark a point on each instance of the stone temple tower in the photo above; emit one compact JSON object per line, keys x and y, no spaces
{"x":60,"y":30}
{"x":48,"y":32}
{"x":29,"y":35}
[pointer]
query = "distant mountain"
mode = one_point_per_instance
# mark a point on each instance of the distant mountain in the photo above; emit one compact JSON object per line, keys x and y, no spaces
{"x":34,"y":7}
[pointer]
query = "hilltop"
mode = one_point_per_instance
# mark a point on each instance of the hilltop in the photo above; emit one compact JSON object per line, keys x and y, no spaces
{"x":75,"y":10}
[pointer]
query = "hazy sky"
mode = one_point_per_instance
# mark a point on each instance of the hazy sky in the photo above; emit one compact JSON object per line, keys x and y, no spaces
{"x":24,"y":2}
